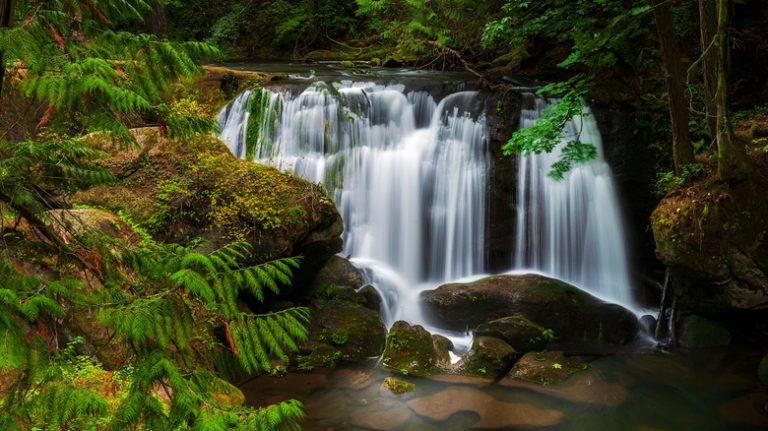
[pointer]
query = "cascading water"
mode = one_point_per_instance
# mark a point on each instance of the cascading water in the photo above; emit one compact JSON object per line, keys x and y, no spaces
{"x":407,"y":174}
{"x":572,"y":229}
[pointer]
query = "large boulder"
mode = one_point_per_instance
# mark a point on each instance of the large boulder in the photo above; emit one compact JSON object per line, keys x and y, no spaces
{"x":184,"y":190}
{"x":712,"y":236}
{"x":572,"y":314}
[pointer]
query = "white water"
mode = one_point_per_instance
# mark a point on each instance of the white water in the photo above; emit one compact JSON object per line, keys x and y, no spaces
{"x":572,"y":229}
{"x":409,"y":178}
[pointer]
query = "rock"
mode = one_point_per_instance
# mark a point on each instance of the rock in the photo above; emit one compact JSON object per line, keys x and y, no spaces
{"x":67,"y":223}
{"x":371,"y":298}
{"x":410,"y":350}
{"x":648,"y":323}
{"x":186,"y":190}
{"x":518,"y":331}
{"x":546,"y":368}
{"x":749,"y":411}
{"x":385,"y":415}
{"x":488,"y":356}
{"x":586,"y":387}
{"x":575,"y":316}
{"x":350,"y":379}
{"x":698,"y":332}
{"x":712,"y":236}
{"x":227,"y":394}
{"x":267,"y":389}
{"x":338,"y":279}
{"x":762,"y":370}
{"x":442,"y":347}
{"x":98,"y":339}
{"x":397,"y":386}
{"x":493,"y":414}
{"x":355,"y":331}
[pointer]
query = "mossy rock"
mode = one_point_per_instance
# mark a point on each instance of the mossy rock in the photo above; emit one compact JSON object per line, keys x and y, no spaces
{"x":518,"y":331}
{"x":442,"y":347}
{"x":488,"y":357}
{"x":397,"y":386}
{"x":546,"y":368}
{"x":710,"y":234}
{"x":353,"y":330}
{"x":410,"y":350}
{"x":697,"y":332}
{"x":182,"y":191}
{"x":226,"y":394}
{"x":762,"y":370}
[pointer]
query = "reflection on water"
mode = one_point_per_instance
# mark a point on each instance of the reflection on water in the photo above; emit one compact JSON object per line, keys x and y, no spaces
{"x":635,"y":390}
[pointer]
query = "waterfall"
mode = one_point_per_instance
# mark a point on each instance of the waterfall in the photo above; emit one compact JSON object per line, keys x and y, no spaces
{"x":572,"y":229}
{"x":408,"y":174}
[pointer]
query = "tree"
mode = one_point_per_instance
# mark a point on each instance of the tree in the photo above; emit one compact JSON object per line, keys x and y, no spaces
{"x":682,"y":149}
{"x":731,"y":160}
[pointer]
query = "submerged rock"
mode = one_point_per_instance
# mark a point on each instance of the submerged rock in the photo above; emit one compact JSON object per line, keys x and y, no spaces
{"x":492,"y":413}
{"x":410,"y":350}
{"x":488,"y":356}
{"x":572,"y":314}
{"x":546,"y":368}
{"x":698,"y":332}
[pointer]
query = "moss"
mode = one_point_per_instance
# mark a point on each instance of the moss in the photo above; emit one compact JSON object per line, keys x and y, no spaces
{"x":410,"y":350}
{"x":397,"y":386}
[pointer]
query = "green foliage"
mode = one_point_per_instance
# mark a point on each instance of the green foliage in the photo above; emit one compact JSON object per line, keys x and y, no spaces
{"x":155,"y":303}
{"x":667,"y":181}
{"x":546,"y":135}
{"x":423,"y":27}
{"x":340,"y":337}
{"x":185,"y":118}
{"x":599,"y":33}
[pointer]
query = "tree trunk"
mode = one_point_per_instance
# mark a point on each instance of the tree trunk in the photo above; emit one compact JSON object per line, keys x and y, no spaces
{"x":682,"y":150}
{"x":732,"y":158}
{"x":157,"y":20}
{"x":6,"y":18}
{"x":708,"y":24}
